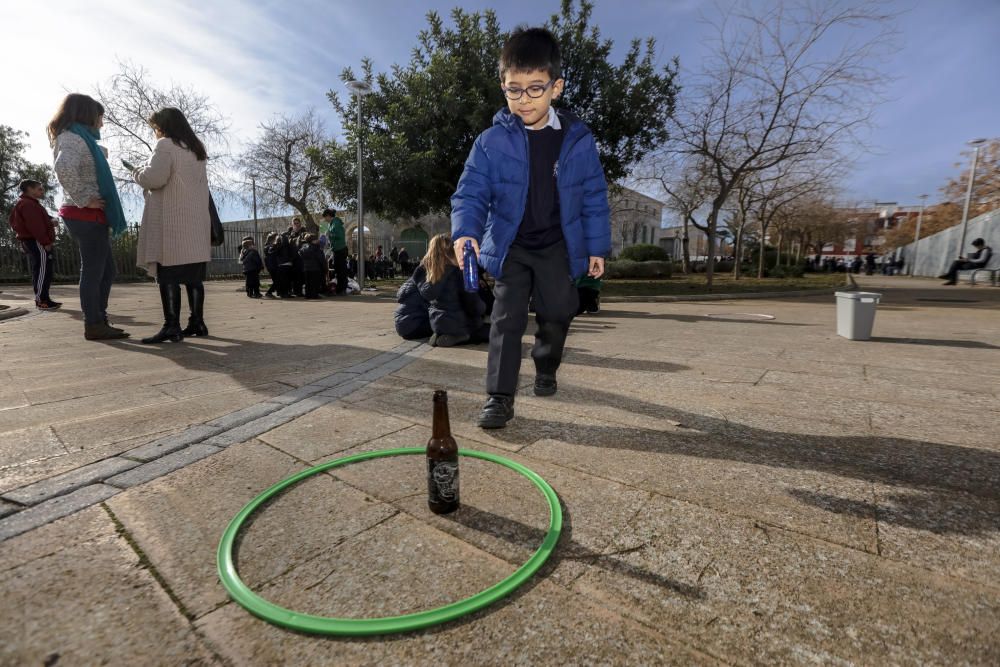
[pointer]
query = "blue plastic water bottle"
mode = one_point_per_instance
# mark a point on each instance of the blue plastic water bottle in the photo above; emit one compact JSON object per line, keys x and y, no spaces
{"x":470,"y":268}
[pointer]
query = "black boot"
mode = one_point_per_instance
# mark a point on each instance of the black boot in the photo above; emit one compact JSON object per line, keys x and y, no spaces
{"x":170,"y":297}
{"x":196,"y":301}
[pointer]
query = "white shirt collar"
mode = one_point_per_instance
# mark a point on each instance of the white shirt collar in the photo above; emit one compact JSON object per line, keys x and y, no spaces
{"x":552,"y":122}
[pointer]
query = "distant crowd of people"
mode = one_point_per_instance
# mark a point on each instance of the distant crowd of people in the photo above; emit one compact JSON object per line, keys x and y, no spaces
{"x":313,"y":265}
{"x":871,"y":263}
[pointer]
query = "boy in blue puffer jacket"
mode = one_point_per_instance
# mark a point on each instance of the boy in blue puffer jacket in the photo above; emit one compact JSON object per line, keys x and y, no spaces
{"x":534,"y":203}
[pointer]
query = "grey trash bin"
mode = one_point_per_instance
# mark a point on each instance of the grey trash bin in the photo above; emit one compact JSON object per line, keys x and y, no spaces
{"x":856,"y":314}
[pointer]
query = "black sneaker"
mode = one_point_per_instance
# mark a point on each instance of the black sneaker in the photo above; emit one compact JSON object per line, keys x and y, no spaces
{"x":545,"y":385}
{"x":497,"y":412}
{"x":448,"y":340}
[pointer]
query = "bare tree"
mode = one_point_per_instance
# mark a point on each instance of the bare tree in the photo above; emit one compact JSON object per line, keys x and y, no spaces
{"x":280,"y":162}
{"x":774,"y":191}
{"x":785,"y":82}
{"x":130,"y":97}
{"x":685,"y":181}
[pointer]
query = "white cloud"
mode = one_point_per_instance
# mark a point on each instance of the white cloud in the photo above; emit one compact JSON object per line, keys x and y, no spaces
{"x":250,"y":64}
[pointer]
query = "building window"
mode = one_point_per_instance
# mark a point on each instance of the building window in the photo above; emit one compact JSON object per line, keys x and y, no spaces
{"x":643,"y":233}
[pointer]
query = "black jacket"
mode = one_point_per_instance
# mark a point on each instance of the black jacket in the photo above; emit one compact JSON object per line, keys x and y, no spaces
{"x":453,"y":311}
{"x":312,"y":256}
{"x":250,"y":259}
{"x":411,"y":316}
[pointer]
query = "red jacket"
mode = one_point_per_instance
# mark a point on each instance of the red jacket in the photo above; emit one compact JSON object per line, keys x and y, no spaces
{"x":30,"y":221}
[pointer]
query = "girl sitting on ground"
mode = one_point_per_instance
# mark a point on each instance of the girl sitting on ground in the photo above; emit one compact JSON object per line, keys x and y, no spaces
{"x":456,"y":315}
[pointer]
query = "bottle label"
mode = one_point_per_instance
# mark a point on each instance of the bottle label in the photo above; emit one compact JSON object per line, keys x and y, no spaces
{"x":442,"y":481}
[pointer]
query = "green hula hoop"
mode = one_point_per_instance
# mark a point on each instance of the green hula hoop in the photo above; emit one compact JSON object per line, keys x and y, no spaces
{"x":325,"y":625}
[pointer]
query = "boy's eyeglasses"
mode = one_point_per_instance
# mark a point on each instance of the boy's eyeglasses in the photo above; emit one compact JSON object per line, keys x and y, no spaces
{"x":534,"y":92}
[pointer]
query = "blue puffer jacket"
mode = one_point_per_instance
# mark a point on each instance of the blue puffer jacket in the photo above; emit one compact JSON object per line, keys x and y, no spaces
{"x":489,"y":203}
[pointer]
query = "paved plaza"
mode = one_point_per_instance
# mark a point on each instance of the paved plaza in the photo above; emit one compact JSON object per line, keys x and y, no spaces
{"x":736,"y":489}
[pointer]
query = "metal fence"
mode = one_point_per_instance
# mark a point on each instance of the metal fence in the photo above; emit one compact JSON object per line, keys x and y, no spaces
{"x":66,"y":257}
{"x":225,"y":261}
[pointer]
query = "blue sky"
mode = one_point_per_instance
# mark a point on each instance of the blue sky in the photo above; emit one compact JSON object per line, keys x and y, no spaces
{"x":255,"y":59}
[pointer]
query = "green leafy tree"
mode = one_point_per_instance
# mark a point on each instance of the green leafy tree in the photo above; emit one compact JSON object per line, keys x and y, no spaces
{"x":15,"y":167}
{"x":421,"y":119}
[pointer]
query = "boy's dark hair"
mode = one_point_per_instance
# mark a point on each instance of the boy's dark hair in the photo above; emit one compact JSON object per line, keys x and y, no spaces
{"x":977,"y":242}
{"x":247,"y":238}
{"x":28,"y":183}
{"x":329,"y":212}
{"x":529,"y":49}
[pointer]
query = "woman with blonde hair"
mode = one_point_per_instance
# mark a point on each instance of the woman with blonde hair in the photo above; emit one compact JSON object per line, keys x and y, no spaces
{"x":175,"y":242}
{"x":91,"y":210}
{"x":456,"y":315}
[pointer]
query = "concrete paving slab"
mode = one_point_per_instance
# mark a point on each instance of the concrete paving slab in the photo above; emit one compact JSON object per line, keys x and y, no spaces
{"x":31,"y":471}
{"x":84,"y":526}
{"x":178,"y":520}
{"x":70,"y":481}
{"x":171,"y":443}
{"x":92,"y":603}
{"x":541,"y":625}
{"x":174,"y":415}
{"x":24,"y":445}
{"x":772,"y":597}
{"x":942,"y":424}
{"x":694,"y":470}
{"x":54,"y":508}
{"x":330,"y":429}
{"x":162,"y":466}
{"x":7,"y":508}
{"x":836,"y":511}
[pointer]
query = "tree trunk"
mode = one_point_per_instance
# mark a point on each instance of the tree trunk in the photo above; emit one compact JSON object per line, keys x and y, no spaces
{"x":686,"y":250}
{"x":737,"y":249}
{"x":710,"y":252}
{"x":763,"y":252}
{"x":777,"y":258}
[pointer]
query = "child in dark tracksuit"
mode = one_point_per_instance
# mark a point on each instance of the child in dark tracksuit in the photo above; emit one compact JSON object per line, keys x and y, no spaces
{"x":252,"y":265}
{"x":534,"y":202}
{"x":313,"y":265}
{"x":271,"y":264}
{"x":36,"y":231}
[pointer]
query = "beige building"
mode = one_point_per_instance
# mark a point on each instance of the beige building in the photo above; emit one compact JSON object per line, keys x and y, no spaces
{"x":635,"y":219}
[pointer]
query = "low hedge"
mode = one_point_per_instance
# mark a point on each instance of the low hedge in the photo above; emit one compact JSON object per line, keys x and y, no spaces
{"x":626,"y":268}
{"x":644,"y":252}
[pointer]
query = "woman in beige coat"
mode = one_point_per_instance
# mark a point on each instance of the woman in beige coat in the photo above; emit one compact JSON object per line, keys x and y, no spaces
{"x":175,"y":238}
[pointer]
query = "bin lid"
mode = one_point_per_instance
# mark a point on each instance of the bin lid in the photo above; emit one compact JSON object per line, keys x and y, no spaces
{"x":858,"y":295}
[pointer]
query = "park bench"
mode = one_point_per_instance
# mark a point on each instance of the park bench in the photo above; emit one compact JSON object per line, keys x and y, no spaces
{"x":993,"y":270}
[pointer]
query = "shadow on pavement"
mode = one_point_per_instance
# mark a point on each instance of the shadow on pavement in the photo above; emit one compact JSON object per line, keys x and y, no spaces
{"x":676,"y":317}
{"x":936,"y":342}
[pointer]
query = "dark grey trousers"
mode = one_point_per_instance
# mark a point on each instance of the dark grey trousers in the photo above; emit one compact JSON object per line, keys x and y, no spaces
{"x":542,"y":276}
{"x":97,"y":268}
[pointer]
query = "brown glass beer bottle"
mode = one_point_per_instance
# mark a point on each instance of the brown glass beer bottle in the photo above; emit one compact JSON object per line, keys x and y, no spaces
{"x":442,"y":460}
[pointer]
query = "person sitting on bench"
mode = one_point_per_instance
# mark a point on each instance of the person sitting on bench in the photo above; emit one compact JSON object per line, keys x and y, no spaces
{"x":976,"y":260}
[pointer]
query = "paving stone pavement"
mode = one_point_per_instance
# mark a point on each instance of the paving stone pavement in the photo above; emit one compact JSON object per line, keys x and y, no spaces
{"x":736,"y":491}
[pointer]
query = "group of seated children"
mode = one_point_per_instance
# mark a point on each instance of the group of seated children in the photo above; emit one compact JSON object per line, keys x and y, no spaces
{"x":433,"y":302}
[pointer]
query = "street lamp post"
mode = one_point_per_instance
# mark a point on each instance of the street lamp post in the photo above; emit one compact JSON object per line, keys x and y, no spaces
{"x":975,"y":143}
{"x":359,"y":89}
{"x":916,"y":236}
{"x":256,"y":234}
